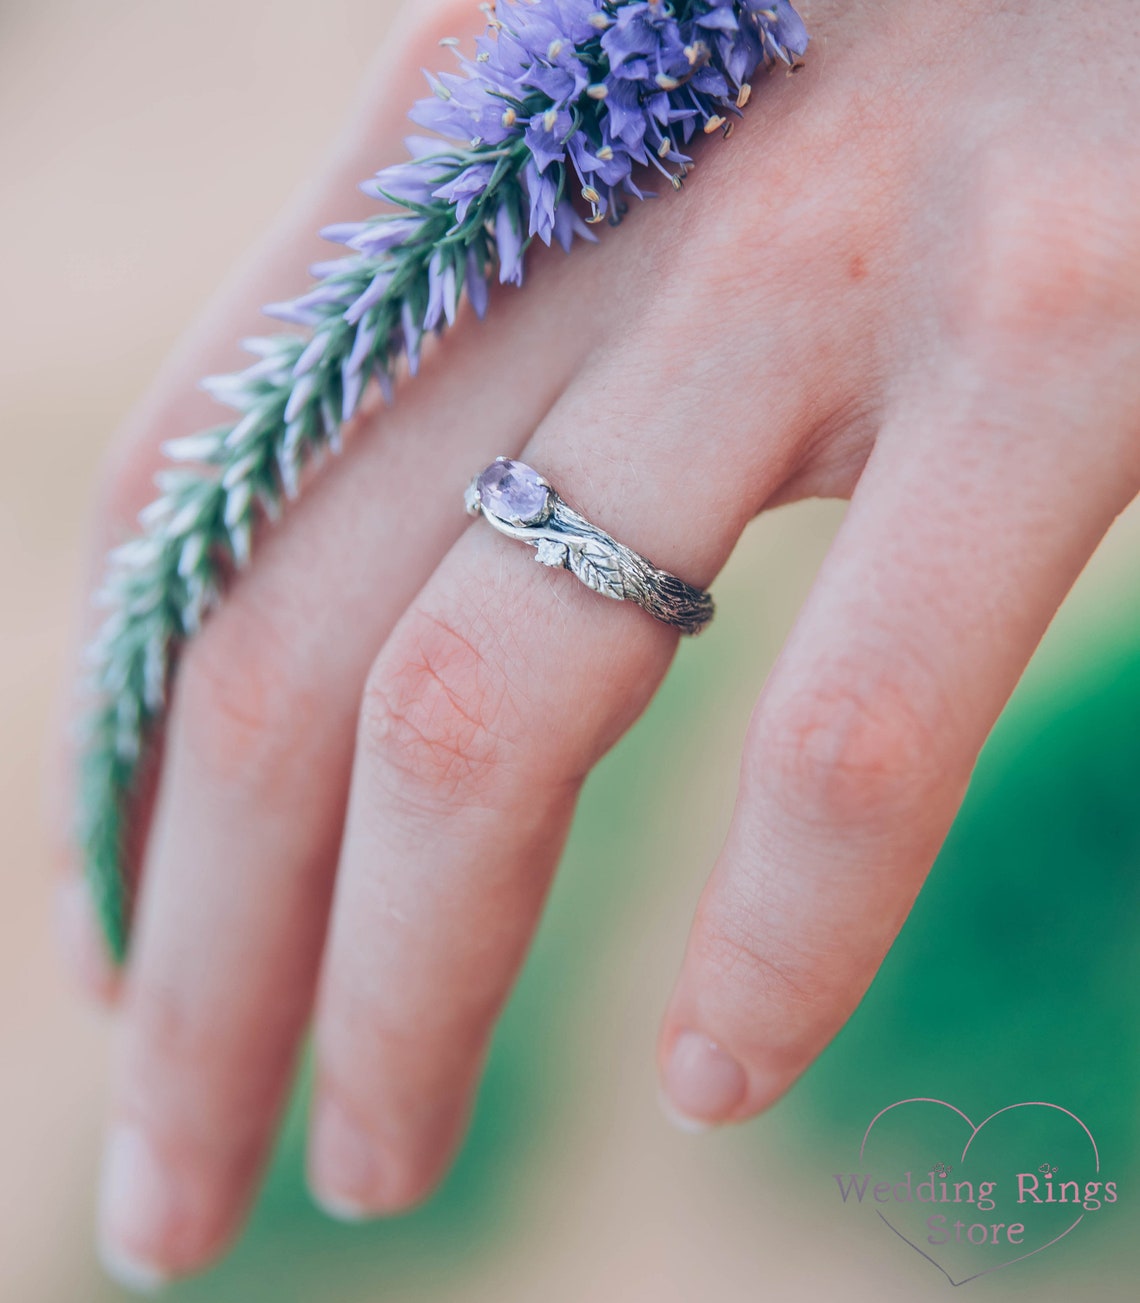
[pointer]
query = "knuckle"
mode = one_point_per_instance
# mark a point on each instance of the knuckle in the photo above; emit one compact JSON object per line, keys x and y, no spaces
{"x":788,"y":992}
{"x":164,"y":1029}
{"x":242,"y":703}
{"x":1053,"y":254}
{"x":171,"y":1040}
{"x":851,"y":757}
{"x":734,"y":951}
{"x":432,"y":716}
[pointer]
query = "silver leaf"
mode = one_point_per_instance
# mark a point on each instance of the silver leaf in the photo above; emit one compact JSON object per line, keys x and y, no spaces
{"x":597,"y":567}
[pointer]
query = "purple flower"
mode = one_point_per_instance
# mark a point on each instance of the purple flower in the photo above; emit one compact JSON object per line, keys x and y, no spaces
{"x":542,"y":192}
{"x":405,"y":183}
{"x":465,"y":108}
{"x":546,"y":137}
{"x":509,"y":241}
{"x":643,"y":40}
{"x":567,"y":225}
{"x":377,"y":288}
{"x":465,"y":187}
{"x":787,"y":35}
{"x":443,"y":291}
{"x":476,"y":282}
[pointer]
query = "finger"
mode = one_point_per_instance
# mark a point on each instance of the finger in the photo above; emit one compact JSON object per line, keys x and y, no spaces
{"x":247,"y":821}
{"x":959,"y":546}
{"x":497,"y":692}
{"x":259,"y":749}
{"x":174,"y":405}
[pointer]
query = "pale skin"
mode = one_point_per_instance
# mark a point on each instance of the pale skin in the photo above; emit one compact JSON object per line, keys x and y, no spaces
{"x":911,"y":279}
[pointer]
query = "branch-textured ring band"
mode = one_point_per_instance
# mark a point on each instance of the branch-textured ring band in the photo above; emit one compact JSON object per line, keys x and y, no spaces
{"x":520,"y":503}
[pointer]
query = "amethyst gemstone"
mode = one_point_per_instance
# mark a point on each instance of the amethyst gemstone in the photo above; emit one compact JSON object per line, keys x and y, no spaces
{"x":513,"y":492}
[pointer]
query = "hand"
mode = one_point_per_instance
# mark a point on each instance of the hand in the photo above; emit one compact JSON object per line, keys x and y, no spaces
{"x":912,"y":279}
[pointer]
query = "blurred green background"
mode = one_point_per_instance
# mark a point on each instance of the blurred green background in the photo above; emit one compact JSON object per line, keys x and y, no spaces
{"x":1016,"y":977}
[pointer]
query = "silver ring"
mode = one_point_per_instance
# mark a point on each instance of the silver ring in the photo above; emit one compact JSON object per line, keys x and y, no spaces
{"x":520,"y":503}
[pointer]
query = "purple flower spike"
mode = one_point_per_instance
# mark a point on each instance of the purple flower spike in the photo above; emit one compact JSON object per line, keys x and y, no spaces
{"x":564,"y":99}
{"x":549,"y":129}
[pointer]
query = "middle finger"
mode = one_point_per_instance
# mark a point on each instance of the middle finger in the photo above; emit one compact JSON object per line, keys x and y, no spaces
{"x":500,"y":688}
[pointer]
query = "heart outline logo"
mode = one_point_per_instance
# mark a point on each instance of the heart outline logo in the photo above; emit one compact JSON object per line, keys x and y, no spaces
{"x":974,"y":1131}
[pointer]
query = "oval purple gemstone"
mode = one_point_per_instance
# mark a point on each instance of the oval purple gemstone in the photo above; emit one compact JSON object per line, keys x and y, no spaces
{"x":514,"y":492}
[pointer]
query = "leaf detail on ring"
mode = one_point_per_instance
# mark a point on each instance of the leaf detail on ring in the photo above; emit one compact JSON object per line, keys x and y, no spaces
{"x":550,"y":552}
{"x":596,"y":566}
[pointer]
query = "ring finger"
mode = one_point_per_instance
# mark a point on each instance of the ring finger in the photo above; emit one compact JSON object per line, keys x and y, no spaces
{"x":497,"y":692}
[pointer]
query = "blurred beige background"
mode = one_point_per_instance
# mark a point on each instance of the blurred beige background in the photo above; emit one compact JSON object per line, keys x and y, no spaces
{"x":143,"y":147}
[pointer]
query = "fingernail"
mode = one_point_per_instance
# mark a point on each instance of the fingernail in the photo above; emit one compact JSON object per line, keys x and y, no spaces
{"x":703,"y":1084}
{"x":136,"y":1209}
{"x":694,"y":1126}
{"x":81,"y":940}
{"x":343,"y":1170}
{"x":138,"y":1277}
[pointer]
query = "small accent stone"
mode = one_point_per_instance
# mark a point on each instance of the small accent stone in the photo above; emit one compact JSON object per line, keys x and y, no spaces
{"x":514,"y":492}
{"x":552,"y":552}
